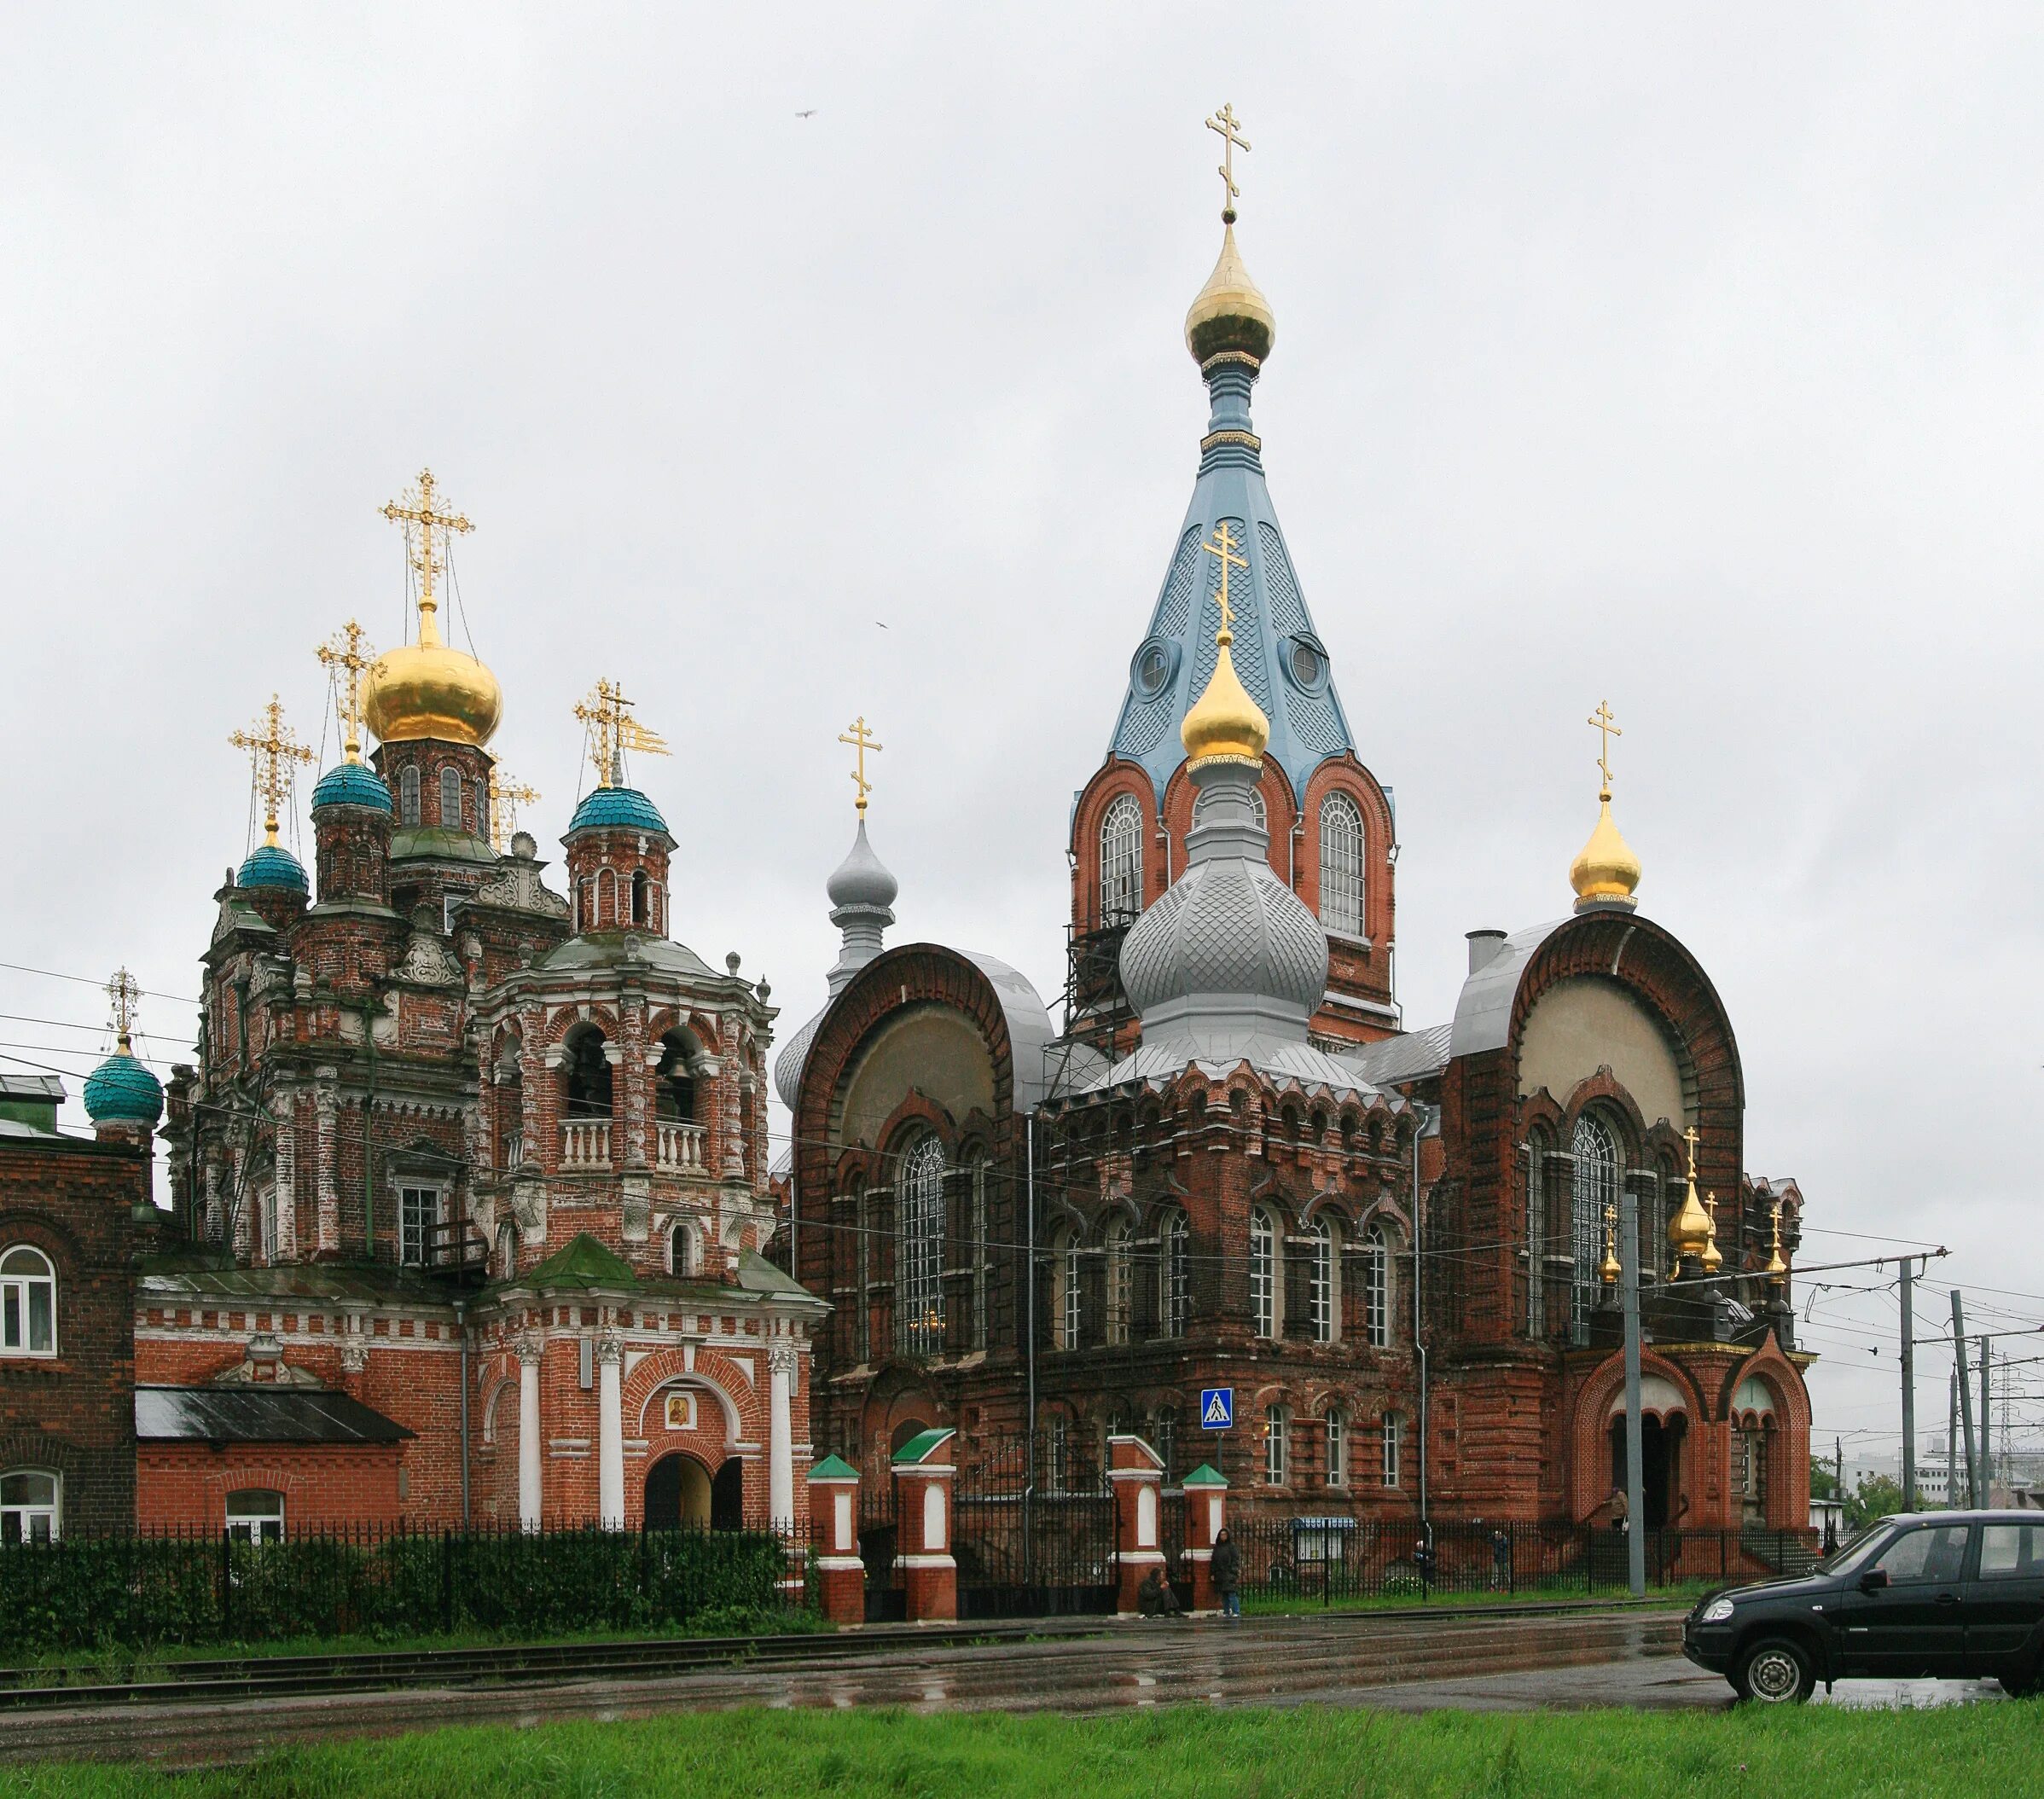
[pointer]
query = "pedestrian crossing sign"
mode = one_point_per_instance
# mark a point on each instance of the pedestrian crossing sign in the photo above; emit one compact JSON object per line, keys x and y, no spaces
{"x":1217,"y":1408}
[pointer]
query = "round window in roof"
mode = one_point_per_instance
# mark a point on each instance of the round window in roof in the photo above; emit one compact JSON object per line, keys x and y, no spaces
{"x":1156,"y":662}
{"x":1306,"y":663}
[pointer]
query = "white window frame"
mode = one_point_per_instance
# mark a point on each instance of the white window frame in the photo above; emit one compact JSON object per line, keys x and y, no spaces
{"x":253,"y":1524}
{"x":1342,"y":852}
{"x":1262,"y":1274}
{"x":1338,"y":1447}
{"x":266,"y":1211}
{"x":919,"y":1234}
{"x":1277,"y":1446}
{"x":20,"y":1280}
{"x":20,"y":1515}
{"x":1322,"y":1294}
{"x":412,"y":1228}
{"x":1377,"y":1288}
{"x":1598,"y":1175}
{"x":1394,"y":1443}
{"x":1121,"y":861}
{"x":1071,"y":1305}
{"x":1173,"y":1275}
{"x":450,"y":789}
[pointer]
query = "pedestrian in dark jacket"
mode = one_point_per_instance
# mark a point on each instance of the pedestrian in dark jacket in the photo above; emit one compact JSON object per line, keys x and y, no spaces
{"x":1227,"y":1570}
{"x":1154,"y":1597}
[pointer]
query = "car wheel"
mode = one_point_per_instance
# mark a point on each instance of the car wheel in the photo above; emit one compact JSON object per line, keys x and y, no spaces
{"x":1774,"y":1671}
{"x":2024,"y":1687}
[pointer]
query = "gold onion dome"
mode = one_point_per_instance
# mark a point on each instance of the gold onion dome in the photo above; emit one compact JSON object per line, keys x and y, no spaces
{"x":1606,"y":868}
{"x":428,"y":689}
{"x":1226,"y":720}
{"x":1230,"y":313}
{"x":1692,"y":1233}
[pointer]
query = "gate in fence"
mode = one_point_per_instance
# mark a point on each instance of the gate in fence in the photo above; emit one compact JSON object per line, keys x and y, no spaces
{"x":1033,"y":1549}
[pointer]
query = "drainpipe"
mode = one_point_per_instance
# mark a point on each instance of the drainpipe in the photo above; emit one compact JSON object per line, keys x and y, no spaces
{"x":369,"y":1132}
{"x":461,"y":1323}
{"x":1426,"y":1114}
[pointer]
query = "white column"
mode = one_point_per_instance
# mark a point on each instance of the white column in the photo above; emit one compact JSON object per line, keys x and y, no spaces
{"x":528,"y":1430}
{"x":610,"y":1431}
{"x":781,"y":1436}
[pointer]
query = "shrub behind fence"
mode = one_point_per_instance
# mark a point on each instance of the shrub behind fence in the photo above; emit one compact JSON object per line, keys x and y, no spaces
{"x":139,"y":1591}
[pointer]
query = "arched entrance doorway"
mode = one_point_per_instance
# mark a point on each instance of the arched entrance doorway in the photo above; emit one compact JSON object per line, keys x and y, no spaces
{"x":1659,"y":1458}
{"x":678,"y":1491}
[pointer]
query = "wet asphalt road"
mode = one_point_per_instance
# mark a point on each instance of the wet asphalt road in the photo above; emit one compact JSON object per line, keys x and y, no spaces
{"x":1512,"y":1664}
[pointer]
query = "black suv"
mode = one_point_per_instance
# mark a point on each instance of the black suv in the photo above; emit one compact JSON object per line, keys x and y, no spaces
{"x":1950,"y":1595}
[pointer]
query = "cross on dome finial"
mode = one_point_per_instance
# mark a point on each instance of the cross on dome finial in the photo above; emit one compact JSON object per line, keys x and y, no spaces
{"x":613,"y":730}
{"x":417,"y":514}
{"x":271,"y":751}
{"x":1224,"y":545}
{"x":1605,"y":722}
{"x":125,"y":992}
{"x":505,"y":799}
{"x":1606,"y":871}
{"x":1229,"y":127}
{"x":861,"y":740}
{"x":346,"y":654}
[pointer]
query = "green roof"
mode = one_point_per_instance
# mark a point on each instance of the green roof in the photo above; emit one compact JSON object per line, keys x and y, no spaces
{"x":921,"y":1448}
{"x":834,"y":1468}
{"x":1206,"y":1475}
{"x":581,"y":1262}
{"x":430,"y":843}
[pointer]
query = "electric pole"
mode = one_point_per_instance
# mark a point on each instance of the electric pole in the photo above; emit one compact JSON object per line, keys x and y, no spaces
{"x":1987,"y":1442}
{"x":1635,"y":1510}
{"x":1966,"y":1397}
{"x":1908,"y":1384}
{"x":1952,"y":1446}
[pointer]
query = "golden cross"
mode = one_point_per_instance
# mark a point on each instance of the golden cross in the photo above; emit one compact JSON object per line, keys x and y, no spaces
{"x":1604,"y":723}
{"x":861,"y":740}
{"x":613,"y":730}
{"x":271,"y":749}
{"x":416,"y":509}
{"x":126,"y":991}
{"x":504,"y":802}
{"x":1229,"y":127}
{"x":346,"y":653}
{"x":1224,"y":545}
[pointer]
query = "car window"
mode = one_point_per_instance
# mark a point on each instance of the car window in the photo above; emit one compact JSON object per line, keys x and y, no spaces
{"x":2011,"y":1551}
{"x":1937,"y":1552}
{"x":1855,"y":1550}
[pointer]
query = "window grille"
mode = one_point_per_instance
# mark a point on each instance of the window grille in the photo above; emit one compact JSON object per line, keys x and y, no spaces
{"x":918,"y":1250}
{"x":418,"y":1212}
{"x":1341,"y":865}
{"x":1173,"y":1276}
{"x":1121,"y":862}
{"x":1319,"y":1289}
{"x":1377,"y":1287}
{"x":1068,"y":1294}
{"x":28,"y":1303}
{"x":1263,"y":1271}
{"x":1121,"y":1282}
{"x":1596,"y":1187}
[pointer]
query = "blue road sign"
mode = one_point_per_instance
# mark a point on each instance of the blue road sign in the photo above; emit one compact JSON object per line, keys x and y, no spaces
{"x":1217,"y":1409}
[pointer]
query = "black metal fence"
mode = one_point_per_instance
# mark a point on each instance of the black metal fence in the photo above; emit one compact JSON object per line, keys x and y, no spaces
{"x":1033,"y":1550}
{"x":135,"y":1591}
{"x":1335,"y":1556}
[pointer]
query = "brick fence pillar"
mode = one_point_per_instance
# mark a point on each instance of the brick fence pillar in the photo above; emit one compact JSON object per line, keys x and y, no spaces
{"x":833,"y":1513}
{"x":922,"y":1488}
{"x":1205,"y":1513}
{"x":1136,"y":1471}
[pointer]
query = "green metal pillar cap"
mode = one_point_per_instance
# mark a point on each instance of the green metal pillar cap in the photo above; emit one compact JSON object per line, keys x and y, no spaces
{"x":921,"y":1447}
{"x":1206,"y":1475}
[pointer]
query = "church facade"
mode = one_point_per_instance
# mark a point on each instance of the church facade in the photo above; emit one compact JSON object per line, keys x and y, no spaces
{"x":1228,"y":1165}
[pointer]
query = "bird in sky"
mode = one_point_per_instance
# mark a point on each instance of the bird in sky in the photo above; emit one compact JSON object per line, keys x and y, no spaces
{"x":811,"y":113}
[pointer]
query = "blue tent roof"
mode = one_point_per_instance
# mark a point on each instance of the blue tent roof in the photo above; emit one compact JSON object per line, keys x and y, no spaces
{"x":352,"y":783}
{"x":1281,"y":661}
{"x":625,"y":808}
{"x":120,"y":1088}
{"x":271,"y":865}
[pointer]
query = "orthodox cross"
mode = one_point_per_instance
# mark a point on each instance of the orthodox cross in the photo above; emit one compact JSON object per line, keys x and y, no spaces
{"x":346,"y":653}
{"x":861,"y":740}
{"x":505,"y":799}
{"x":272,"y":750}
{"x":126,"y":992}
{"x":1224,"y":545}
{"x":417,"y":508}
{"x":1230,"y":129}
{"x":1689,"y":1137}
{"x":613,"y":730}
{"x":1603,"y":722}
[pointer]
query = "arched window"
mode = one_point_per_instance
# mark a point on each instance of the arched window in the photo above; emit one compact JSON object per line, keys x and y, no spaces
{"x":1277,"y":1446}
{"x":642,"y":898}
{"x":1341,"y":865}
{"x":588,"y":1076}
{"x":1376,"y":1287}
{"x":407,"y":796}
{"x":1065,"y":1289}
{"x":1595,"y":1189}
{"x":918,"y":1250}
{"x":1262,"y":1274}
{"x":1322,"y":1304}
{"x":482,"y":808}
{"x":606,"y":900}
{"x":1121,"y":862}
{"x":1338,"y":1447}
{"x":255,"y":1515}
{"x":28,"y":1302}
{"x":450,"y":799}
{"x":29,"y":1510}
{"x":1121,"y":1282}
{"x":684,"y":1253}
{"x":1174,"y":1280}
{"x":674,"y":1083}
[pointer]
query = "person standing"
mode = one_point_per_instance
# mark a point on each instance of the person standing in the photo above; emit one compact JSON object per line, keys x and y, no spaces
{"x":1226,"y":1569}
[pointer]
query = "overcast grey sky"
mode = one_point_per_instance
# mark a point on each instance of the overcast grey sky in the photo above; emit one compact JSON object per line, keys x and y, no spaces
{"x":1692,"y":362}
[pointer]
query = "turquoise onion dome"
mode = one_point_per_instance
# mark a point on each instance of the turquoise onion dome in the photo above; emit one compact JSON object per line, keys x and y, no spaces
{"x":624,"y":808}
{"x":352,"y":783}
{"x":271,"y":865}
{"x":120,"y":1090}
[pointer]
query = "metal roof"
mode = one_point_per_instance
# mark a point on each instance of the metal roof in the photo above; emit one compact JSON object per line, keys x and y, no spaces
{"x":258,"y":1415}
{"x":1409,"y":1057}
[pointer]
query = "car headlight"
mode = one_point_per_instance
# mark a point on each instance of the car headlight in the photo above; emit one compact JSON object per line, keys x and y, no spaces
{"x":1716,"y":1612}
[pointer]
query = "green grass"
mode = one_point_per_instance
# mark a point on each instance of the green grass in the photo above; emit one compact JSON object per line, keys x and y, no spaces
{"x":1189,"y":1752}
